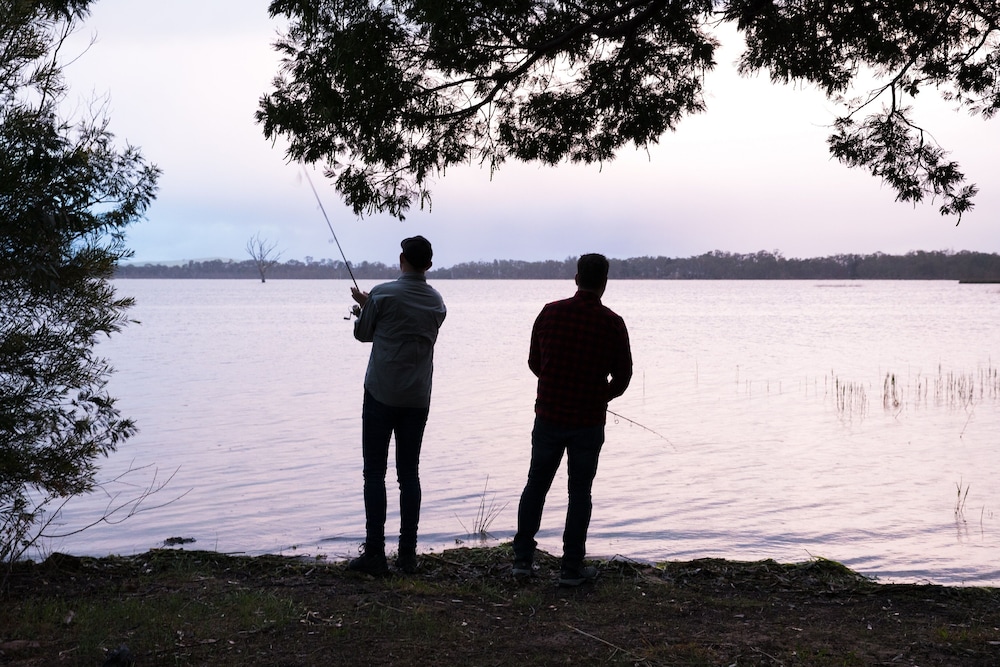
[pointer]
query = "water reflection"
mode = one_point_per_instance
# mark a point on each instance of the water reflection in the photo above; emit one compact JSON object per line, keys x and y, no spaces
{"x":772,"y":397}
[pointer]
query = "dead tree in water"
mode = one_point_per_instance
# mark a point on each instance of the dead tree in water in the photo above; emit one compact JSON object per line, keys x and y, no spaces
{"x":262,"y":252}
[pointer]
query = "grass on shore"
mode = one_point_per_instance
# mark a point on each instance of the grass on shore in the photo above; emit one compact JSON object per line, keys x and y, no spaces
{"x":463,"y":607}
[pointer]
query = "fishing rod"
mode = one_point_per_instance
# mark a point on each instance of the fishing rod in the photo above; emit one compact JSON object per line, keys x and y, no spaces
{"x":335,"y":239}
{"x":645,"y":428}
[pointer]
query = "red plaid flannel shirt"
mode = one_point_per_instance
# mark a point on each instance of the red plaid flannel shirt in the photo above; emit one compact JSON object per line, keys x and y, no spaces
{"x":580,"y":352}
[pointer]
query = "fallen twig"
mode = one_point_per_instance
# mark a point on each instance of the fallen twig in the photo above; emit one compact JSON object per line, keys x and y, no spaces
{"x":631,"y":655}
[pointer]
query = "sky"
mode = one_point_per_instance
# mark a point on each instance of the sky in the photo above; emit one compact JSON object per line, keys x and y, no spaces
{"x":183,"y":79}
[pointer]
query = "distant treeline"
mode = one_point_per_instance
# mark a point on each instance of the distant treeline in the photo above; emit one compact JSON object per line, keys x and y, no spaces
{"x":717,"y":265}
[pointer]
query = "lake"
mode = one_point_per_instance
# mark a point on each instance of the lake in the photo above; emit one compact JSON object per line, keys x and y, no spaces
{"x":854,"y":421}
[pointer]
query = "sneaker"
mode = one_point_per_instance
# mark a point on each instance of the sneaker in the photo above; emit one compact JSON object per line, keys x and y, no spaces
{"x":370,"y":562}
{"x":574,"y":576}
{"x":406,"y":561}
{"x":523,"y":568}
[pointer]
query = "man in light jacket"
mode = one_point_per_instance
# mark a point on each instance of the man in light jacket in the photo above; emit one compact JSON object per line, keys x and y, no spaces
{"x":401,"y":319}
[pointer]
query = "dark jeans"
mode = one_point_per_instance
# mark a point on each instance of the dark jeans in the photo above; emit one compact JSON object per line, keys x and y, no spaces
{"x":378,"y":422}
{"x":582,"y":447}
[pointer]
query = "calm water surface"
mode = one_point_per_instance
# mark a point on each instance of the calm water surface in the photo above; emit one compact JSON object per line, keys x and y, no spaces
{"x":772,"y":439}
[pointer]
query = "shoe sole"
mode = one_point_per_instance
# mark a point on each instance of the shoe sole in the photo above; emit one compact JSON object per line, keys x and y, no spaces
{"x":575,"y":581}
{"x":373,"y":571}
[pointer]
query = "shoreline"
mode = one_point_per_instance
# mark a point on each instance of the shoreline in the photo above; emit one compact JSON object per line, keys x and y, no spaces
{"x":183,"y":546}
{"x":463,"y":606}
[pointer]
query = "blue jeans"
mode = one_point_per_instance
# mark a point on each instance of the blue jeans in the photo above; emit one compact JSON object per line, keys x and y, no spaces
{"x":378,"y":422}
{"x":582,"y":447}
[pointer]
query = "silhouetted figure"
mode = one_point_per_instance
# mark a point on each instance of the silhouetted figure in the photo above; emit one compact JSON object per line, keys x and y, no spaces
{"x":401,"y":319}
{"x":580,"y":352}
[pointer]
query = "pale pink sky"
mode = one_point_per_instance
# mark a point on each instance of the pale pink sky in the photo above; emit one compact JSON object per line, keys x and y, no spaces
{"x":752,"y":173}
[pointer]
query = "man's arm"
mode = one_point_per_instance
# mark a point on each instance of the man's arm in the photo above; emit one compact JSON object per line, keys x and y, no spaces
{"x":621,"y":370}
{"x":364,"y":326}
{"x":535,"y":349}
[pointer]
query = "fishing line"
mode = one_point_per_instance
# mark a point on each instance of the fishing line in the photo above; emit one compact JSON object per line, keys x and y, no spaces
{"x":645,"y":428}
{"x":327,"y":218}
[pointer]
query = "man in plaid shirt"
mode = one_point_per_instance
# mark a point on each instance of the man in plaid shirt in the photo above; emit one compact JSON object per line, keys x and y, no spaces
{"x":581,"y":355}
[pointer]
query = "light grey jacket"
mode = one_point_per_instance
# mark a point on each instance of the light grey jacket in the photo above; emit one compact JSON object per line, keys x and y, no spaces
{"x":401,"y":319}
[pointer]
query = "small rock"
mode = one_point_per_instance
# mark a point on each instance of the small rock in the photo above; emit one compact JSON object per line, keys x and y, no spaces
{"x":120,"y":657}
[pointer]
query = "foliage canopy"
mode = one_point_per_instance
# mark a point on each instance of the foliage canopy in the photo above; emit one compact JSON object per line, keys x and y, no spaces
{"x":67,"y":193}
{"x":386,"y":95}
